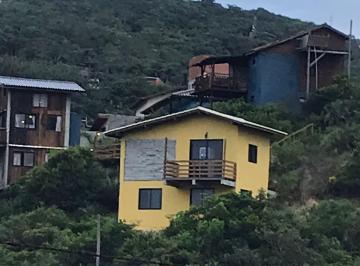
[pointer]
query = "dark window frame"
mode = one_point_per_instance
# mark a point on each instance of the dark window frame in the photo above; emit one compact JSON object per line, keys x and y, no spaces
{"x":207,"y":145}
{"x":13,"y":157}
{"x":253,"y":153}
{"x":26,"y":125}
{"x":39,"y":104}
{"x":200,"y":188}
{"x":150,"y":208}
{"x":22,"y":159}
{"x":55,"y":117}
{"x":246,"y":192}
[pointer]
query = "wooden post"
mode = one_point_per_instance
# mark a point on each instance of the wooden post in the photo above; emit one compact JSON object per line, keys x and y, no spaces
{"x":98,"y":241}
{"x":6,"y":180}
{"x":349,"y":55}
{"x":316,"y":70}
{"x":308,"y":73}
{"x":165,"y":158}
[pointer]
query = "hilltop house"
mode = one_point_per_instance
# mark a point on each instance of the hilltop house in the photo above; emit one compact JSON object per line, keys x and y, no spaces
{"x":35,"y":118}
{"x":284,"y":72}
{"x":172,"y":162}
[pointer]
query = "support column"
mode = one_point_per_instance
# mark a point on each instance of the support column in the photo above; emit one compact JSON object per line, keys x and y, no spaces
{"x":67,"y":121}
{"x":308,"y":73}
{"x":7,"y":149}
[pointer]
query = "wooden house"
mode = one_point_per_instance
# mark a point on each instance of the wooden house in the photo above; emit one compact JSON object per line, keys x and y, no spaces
{"x":172,"y":162}
{"x":283,"y":72}
{"x":35,"y":119}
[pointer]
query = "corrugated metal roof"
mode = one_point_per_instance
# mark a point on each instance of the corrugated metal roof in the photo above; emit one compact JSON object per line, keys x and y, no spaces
{"x":185,"y":93}
{"x":118,"y":132}
{"x":40,"y":84}
{"x":229,"y":59}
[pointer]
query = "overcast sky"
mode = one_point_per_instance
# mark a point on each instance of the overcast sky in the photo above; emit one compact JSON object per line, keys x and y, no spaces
{"x":337,"y":13}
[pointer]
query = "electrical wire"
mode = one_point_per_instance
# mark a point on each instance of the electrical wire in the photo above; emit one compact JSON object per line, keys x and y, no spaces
{"x":82,"y":253}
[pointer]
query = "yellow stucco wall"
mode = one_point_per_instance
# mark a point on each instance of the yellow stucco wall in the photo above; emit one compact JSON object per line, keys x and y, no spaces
{"x":236,"y":140}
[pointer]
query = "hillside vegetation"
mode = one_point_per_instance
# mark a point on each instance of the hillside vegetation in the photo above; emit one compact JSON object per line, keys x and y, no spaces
{"x":49,"y":218}
{"x":120,"y":42}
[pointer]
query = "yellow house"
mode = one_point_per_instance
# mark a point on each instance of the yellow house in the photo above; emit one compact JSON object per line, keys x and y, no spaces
{"x":172,"y":162}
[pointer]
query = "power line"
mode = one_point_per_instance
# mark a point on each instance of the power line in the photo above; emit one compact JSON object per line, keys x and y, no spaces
{"x":82,"y":253}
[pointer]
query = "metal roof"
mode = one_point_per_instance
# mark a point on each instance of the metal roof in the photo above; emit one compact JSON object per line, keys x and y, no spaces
{"x":230,"y":59}
{"x":119,"y":132}
{"x":40,"y":84}
{"x":220,"y":60}
{"x":299,"y":35}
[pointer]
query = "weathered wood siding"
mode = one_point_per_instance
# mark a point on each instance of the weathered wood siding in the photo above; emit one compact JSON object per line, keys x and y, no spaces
{"x":22,"y":103}
{"x":17,"y":172}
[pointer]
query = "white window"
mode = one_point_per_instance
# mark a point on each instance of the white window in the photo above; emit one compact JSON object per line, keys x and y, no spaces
{"x":20,"y":120}
{"x":40,"y":100}
{"x":28,"y":159}
{"x":23,"y":159}
{"x":17,"y":159}
{"x":54,"y":123}
{"x":25,"y":121}
{"x":46,"y":157}
{"x":58,"y":124}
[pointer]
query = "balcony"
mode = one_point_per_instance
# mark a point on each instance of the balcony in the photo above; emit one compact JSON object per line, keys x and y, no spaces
{"x":195,"y":172}
{"x":107,"y":152}
{"x":219,"y":85}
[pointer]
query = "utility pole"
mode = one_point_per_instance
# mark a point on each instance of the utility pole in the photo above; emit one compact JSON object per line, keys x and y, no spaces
{"x":350,"y":47}
{"x":98,"y":241}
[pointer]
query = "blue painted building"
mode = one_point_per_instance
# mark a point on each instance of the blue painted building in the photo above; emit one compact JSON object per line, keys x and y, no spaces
{"x":284,"y":72}
{"x":273,"y":78}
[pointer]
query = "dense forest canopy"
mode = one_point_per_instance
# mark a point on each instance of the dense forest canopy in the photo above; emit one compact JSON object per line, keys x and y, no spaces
{"x":120,"y":42}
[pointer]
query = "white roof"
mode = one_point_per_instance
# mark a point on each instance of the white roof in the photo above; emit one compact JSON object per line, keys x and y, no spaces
{"x":40,"y":84}
{"x":118,"y":132}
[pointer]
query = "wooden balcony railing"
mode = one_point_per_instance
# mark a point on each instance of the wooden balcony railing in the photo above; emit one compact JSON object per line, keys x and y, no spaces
{"x":200,"y":169}
{"x":219,"y":82}
{"x":107,"y":152}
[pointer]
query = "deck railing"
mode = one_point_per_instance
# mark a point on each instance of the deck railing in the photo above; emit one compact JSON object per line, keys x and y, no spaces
{"x":200,"y":169}
{"x":107,"y":152}
{"x":220,"y":82}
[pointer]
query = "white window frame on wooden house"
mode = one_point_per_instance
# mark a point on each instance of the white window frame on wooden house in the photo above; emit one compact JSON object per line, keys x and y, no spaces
{"x":40,"y":100}
{"x":23,"y":121}
{"x":54,"y":125}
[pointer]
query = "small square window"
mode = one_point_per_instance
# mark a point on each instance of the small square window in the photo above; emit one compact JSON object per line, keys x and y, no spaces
{"x":246,"y":192}
{"x":198,"y":195}
{"x":253,"y":150}
{"x":40,"y":100}
{"x":54,"y":123}
{"x":29,"y":159}
{"x":25,"y":121}
{"x":17,"y":159}
{"x":150,"y":199}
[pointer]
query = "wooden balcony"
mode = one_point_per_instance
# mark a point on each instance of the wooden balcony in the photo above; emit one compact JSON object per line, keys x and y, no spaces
{"x":107,"y":152}
{"x":2,"y":136}
{"x":194,"y":172}
{"x":218,"y":85}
